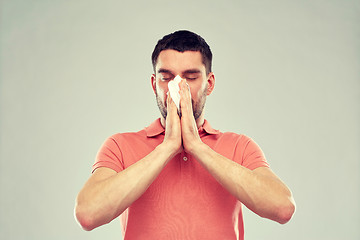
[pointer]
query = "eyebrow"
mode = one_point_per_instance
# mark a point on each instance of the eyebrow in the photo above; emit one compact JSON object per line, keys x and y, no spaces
{"x":163,"y":70}
{"x":189,"y":71}
{"x":192,"y":71}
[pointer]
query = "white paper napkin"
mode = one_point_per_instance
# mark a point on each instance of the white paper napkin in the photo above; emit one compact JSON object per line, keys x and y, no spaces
{"x":174,"y":89}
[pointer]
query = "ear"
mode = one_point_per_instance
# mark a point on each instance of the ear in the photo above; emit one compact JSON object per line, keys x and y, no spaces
{"x":153,"y":82}
{"x":211,"y":83}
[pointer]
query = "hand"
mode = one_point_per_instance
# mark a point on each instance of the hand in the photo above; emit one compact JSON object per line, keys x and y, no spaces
{"x":172,"y":128}
{"x":189,"y":130}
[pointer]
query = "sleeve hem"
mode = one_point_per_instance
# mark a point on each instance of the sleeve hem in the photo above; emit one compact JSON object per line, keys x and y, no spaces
{"x":105,"y":164}
{"x":255,"y":165}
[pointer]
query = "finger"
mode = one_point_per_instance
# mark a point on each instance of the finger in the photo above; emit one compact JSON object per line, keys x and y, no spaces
{"x":185,"y":99}
{"x":168,"y":104}
{"x":171,"y":106}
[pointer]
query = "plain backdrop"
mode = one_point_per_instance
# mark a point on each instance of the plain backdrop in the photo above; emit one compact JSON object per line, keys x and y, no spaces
{"x":75,"y":72}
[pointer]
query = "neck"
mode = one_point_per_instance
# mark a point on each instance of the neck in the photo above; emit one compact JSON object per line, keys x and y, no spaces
{"x":200,"y":121}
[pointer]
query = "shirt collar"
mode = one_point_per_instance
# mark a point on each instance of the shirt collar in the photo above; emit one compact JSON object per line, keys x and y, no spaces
{"x":208,"y":129}
{"x":155,"y":128}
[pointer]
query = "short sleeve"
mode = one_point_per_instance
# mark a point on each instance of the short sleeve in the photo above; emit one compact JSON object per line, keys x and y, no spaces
{"x":109,"y":155}
{"x":250,"y":153}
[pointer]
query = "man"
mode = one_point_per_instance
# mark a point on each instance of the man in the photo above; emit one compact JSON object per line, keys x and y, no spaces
{"x":179,"y":178}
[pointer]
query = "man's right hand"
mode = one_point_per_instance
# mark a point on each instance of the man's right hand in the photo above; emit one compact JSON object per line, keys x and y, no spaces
{"x":172,"y":128}
{"x":107,"y":193}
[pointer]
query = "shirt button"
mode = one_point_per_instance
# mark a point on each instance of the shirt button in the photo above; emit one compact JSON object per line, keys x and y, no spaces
{"x":185,"y":158}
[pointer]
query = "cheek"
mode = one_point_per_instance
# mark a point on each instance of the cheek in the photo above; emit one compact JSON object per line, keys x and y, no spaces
{"x":162,"y":91}
{"x":196,"y":92}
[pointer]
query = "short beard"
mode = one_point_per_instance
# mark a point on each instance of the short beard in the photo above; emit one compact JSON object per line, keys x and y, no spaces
{"x":161,"y":106}
{"x":197,"y":107}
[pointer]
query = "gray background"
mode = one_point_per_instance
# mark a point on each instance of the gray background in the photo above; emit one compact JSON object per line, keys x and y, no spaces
{"x":287,"y":74}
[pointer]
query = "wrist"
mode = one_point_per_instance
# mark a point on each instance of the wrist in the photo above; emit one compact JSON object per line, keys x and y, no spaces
{"x":168,"y":148}
{"x":197,"y":148}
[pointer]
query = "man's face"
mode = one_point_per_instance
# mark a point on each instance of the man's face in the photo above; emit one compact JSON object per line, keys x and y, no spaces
{"x":187,"y":65}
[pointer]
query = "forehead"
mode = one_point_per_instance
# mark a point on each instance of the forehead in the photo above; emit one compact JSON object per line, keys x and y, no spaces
{"x":180,"y":61}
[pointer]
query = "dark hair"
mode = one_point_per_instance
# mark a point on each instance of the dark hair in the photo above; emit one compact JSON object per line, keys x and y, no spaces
{"x":182,"y":41}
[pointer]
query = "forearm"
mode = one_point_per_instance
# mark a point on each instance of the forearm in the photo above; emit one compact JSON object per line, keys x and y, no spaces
{"x":263,"y":193}
{"x":102,"y":200}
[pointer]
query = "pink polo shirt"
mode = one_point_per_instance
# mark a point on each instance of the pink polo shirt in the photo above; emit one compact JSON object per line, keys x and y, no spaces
{"x":184,"y":201}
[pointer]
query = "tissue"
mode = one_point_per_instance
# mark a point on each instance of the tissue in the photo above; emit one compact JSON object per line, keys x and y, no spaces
{"x":174,"y":89}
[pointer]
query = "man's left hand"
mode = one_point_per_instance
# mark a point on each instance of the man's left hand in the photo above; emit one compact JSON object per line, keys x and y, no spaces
{"x":189,"y":130}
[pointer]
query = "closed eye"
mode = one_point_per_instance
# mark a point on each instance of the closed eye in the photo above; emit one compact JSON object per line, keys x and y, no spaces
{"x":165,"y":75}
{"x":191,"y":77}
{"x":192,"y":74}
